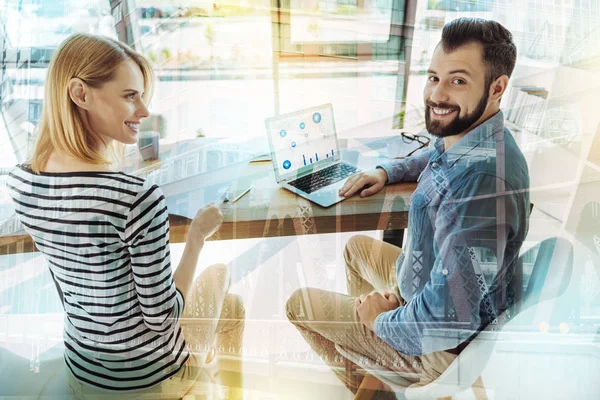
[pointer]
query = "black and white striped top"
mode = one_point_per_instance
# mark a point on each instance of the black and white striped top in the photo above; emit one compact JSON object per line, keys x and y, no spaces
{"x":105,"y":236}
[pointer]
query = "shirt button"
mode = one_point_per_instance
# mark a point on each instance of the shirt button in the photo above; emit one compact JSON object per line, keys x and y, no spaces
{"x":445,"y":271}
{"x":434,"y":165}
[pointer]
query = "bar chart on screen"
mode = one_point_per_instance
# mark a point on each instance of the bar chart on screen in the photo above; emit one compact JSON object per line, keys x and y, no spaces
{"x":312,"y":158}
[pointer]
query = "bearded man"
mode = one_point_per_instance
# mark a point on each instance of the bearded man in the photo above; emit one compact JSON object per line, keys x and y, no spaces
{"x":468,"y":217}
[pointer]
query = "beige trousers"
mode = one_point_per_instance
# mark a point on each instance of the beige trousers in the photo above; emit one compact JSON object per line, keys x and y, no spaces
{"x":326,"y":318}
{"x":211,"y":318}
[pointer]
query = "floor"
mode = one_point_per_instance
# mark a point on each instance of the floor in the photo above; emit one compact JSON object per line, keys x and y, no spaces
{"x":265,"y":272}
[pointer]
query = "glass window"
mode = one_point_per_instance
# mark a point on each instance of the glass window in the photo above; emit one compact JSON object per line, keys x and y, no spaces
{"x":117,"y":13}
{"x":35,"y":111}
{"x":31,"y":30}
{"x":130,"y":6}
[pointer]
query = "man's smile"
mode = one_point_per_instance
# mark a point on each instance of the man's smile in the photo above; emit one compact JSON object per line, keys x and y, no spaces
{"x":442,"y":113}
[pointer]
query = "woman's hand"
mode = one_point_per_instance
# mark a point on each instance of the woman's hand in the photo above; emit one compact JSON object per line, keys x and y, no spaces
{"x":368,"y":183}
{"x":206,"y":222}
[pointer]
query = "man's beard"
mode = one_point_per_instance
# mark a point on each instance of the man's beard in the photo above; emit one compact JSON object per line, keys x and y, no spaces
{"x":459,"y":124}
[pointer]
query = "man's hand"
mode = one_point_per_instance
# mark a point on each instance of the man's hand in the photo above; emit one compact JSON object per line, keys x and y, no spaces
{"x":373,"y":304}
{"x":392,"y":298}
{"x":373,"y":181}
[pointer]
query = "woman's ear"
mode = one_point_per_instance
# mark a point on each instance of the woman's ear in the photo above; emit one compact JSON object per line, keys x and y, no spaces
{"x":79,"y":93}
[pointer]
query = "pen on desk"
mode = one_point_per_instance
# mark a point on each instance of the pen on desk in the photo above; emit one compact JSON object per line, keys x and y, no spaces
{"x":241,"y":194}
{"x":225,"y":197}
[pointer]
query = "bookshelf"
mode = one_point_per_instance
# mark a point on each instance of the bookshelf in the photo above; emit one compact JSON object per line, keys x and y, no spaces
{"x":569,"y":112}
{"x":526,"y":108}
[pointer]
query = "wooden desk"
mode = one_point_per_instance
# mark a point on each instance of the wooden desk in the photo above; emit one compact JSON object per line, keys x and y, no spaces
{"x":270,"y":211}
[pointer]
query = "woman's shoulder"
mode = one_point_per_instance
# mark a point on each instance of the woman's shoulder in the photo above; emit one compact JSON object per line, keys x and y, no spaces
{"x":23,"y":179}
{"x":83,"y":175}
{"x":19,"y":169}
{"x":21,"y":174}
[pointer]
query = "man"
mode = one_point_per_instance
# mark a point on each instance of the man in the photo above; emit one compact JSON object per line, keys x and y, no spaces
{"x":471,"y":200}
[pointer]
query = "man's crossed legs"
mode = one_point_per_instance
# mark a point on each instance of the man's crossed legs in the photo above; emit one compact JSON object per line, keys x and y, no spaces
{"x":327,"y":318}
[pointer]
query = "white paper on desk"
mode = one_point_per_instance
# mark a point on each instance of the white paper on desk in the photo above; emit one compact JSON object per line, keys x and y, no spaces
{"x":187,"y":196}
{"x":200,"y":177}
{"x":257,"y":146}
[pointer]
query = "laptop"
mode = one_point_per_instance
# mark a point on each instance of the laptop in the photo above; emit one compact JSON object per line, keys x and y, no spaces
{"x":306,"y":156}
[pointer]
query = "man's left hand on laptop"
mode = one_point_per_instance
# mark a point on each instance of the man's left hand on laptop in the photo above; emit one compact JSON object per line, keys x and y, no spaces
{"x":368,"y":183}
{"x":371,"y":305}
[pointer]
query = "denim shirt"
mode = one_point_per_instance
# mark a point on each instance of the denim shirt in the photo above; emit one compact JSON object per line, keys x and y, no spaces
{"x":468,"y":218}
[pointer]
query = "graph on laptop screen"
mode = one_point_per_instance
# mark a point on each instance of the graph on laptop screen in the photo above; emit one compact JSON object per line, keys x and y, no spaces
{"x":302,"y":139}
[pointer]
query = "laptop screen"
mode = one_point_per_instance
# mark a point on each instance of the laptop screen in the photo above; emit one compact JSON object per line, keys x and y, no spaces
{"x":302,"y":141}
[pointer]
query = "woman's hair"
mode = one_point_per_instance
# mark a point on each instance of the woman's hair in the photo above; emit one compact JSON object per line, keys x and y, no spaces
{"x":94,"y":60}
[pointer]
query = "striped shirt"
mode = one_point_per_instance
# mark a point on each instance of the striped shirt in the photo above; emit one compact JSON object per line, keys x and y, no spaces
{"x":105,"y":236}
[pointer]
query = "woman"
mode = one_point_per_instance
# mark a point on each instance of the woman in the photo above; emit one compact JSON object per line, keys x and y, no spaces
{"x":105,"y":236}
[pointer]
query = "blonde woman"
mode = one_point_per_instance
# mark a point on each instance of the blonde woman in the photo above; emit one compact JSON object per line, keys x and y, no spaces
{"x":105,"y":236}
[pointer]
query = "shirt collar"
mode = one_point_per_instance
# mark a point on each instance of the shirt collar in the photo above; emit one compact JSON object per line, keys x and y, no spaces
{"x":483,"y":135}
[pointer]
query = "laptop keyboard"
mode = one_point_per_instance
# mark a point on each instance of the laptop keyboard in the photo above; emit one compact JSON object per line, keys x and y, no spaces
{"x":325,"y":177}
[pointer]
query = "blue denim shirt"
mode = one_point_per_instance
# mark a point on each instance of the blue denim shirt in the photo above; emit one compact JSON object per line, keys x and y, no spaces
{"x":468,"y":218}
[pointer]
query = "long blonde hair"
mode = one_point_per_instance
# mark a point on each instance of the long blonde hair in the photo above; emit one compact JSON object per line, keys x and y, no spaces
{"x":94,"y":60}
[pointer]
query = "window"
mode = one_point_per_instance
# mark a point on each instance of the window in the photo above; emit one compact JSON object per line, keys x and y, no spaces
{"x":35,"y":111}
{"x":130,"y":6}
{"x":391,"y":50}
{"x":117,"y":14}
{"x":31,"y":31}
{"x":340,"y":50}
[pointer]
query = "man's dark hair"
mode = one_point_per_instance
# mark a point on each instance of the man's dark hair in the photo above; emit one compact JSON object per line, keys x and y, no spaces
{"x":499,"y":51}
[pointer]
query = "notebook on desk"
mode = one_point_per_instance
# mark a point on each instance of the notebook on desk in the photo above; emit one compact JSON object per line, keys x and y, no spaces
{"x":306,"y":155}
